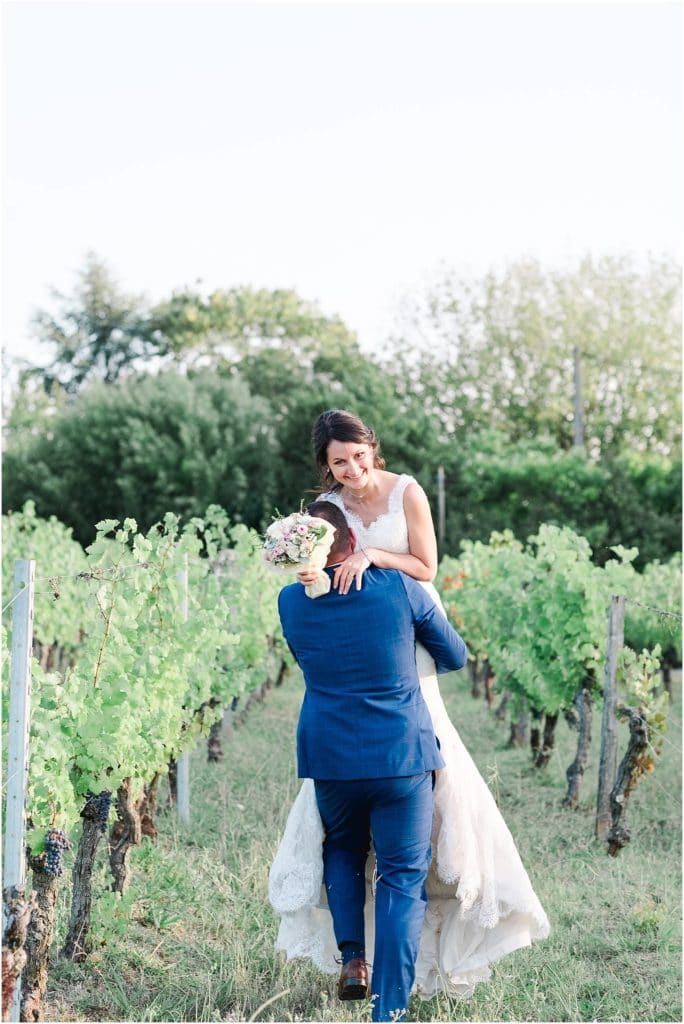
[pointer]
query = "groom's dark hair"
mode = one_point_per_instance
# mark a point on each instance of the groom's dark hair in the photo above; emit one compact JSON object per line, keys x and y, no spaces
{"x":335,"y":516}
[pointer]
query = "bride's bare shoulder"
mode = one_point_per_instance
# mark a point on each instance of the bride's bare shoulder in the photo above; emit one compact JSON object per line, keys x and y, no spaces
{"x":415,"y":498}
{"x":387,"y":479}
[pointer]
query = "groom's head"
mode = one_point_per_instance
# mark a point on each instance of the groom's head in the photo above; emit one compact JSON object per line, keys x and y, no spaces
{"x":344,"y":539}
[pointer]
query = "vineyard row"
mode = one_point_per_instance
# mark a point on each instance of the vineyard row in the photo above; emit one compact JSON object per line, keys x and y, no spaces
{"x":142,"y":642}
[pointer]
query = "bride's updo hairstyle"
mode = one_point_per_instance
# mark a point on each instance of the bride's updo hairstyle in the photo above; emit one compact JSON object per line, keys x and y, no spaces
{"x":338,"y":425}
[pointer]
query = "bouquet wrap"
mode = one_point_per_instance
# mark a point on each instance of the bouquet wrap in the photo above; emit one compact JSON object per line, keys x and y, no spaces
{"x":300,"y":542}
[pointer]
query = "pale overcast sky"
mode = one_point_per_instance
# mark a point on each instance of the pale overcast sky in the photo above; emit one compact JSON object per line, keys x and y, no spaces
{"x":345,"y":150}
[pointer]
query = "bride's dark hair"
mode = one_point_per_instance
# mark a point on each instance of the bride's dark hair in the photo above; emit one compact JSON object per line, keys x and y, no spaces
{"x":338,"y":425}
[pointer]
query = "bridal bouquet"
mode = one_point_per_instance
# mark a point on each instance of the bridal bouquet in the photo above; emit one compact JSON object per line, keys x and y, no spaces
{"x":298,"y":542}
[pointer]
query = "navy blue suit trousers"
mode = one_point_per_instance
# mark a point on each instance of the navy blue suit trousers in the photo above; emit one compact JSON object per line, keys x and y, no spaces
{"x":398,"y":814}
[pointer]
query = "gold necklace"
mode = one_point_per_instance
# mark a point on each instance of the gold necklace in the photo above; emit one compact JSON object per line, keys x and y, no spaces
{"x":358,"y":497}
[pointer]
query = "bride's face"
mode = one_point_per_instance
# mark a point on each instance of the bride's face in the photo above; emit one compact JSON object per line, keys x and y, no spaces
{"x":351,"y":463}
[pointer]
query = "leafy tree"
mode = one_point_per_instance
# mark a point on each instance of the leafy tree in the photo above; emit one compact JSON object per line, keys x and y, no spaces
{"x":494,"y":485}
{"x":148,"y":446}
{"x":29,"y":408}
{"x":498,"y":353}
{"x":99,"y":332}
{"x":642,"y":503}
{"x":228,"y":325}
{"x":519,"y":486}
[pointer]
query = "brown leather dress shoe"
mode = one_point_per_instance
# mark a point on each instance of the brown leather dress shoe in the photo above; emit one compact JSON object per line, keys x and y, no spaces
{"x":353,"y":983}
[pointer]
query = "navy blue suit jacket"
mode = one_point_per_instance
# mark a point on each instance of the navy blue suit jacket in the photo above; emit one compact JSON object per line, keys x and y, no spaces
{"x":363,"y":715}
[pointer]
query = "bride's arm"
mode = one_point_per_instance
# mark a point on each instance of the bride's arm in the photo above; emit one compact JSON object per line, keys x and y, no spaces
{"x":421,"y":560}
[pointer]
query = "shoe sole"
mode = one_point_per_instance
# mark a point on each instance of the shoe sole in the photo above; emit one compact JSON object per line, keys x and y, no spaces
{"x":353,"y":990}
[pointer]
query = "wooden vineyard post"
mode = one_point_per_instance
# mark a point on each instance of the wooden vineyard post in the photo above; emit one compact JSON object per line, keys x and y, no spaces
{"x":14,"y":870}
{"x":183,"y":762}
{"x":608,"y":761}
{"x":578,"y":441}
{"x":440,"y":506}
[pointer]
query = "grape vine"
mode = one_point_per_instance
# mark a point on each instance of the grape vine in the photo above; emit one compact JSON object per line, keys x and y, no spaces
{"x":537,"y":614}
{"x":141,"y":681}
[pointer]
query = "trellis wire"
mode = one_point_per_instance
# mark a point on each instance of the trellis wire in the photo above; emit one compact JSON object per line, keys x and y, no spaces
{"x":651,"y":608}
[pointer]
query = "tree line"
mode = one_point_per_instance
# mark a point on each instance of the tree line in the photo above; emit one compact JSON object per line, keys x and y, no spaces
{"x":210,"y":398}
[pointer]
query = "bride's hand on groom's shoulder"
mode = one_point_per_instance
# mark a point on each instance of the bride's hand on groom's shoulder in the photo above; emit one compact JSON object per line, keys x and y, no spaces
{"x":352,"y":569}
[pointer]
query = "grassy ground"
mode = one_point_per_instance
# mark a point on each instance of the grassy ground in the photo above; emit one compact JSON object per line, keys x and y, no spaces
{"x":199,"y":944}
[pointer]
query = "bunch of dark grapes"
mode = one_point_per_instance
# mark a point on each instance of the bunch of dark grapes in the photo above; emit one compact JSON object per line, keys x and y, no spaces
{"x":102,"y":802}
{"x":55,"y":842}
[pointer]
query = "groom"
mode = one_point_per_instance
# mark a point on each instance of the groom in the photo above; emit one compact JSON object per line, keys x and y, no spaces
{"x":366,"y":739}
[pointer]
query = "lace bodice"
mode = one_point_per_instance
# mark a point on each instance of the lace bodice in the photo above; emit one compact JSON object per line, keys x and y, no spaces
{"x":389,"y":531}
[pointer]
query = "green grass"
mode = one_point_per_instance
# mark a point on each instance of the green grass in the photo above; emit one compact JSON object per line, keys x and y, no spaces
{"x":199,"y":943}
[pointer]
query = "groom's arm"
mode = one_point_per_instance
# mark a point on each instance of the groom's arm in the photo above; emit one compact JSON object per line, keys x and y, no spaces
{"x":433,"y":630}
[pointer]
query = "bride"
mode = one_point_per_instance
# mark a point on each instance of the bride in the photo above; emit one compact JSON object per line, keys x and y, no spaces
{"x":481,"y":904}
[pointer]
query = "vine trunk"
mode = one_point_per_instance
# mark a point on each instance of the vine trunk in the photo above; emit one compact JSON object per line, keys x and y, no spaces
{"x":546,"y":749}
{"x":126,"y":833}
{"x":76,"y":943}
{"x":17,"y":913}
{"x":147,"y":807}
{"x":631,"y":768}
{"x":518,"y":737}
{"x":575,"y":772}
{"x":38,"y":938}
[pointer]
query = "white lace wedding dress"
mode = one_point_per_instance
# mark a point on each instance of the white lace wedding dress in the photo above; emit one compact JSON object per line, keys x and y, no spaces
{"x":481,"y":904}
